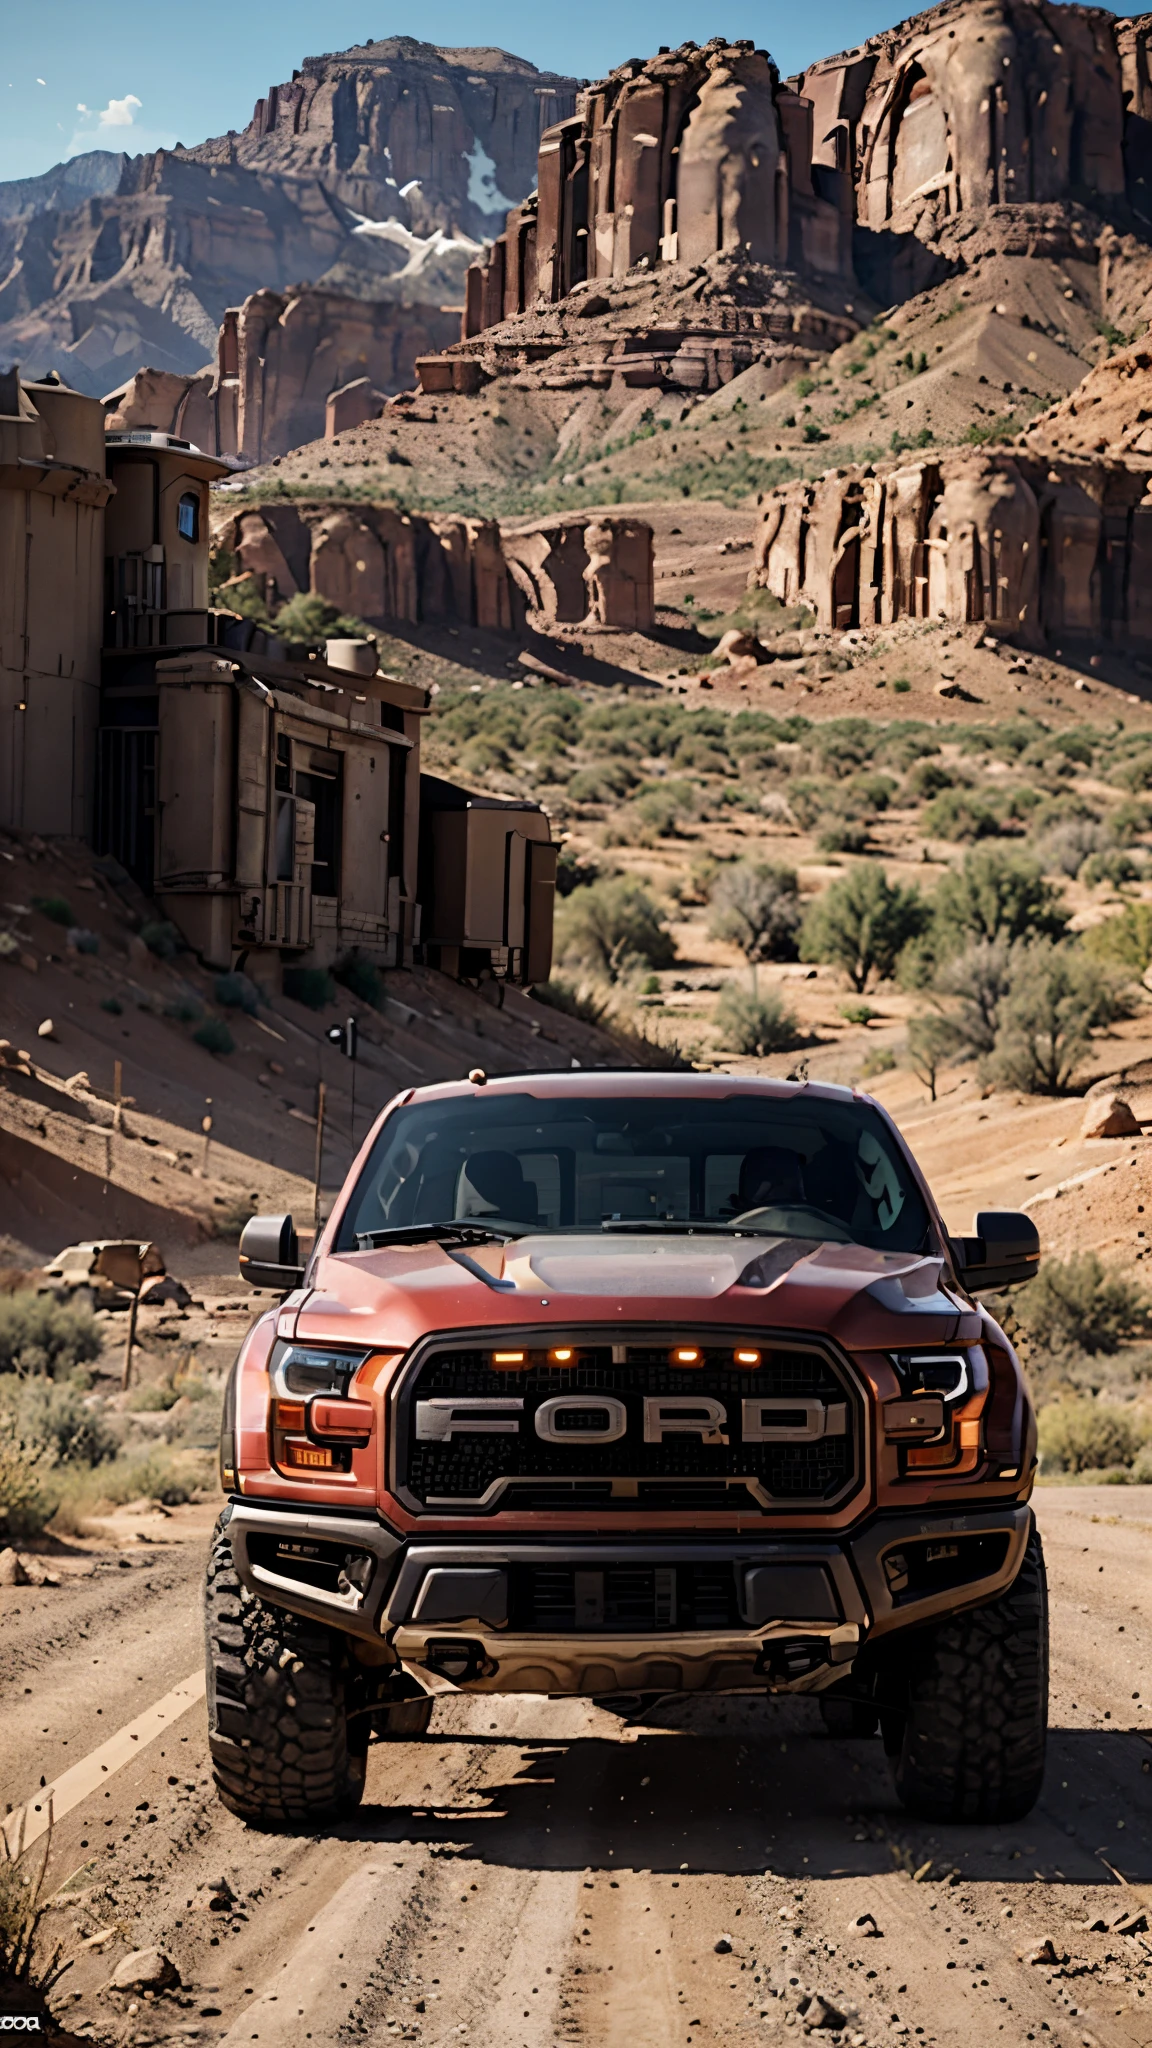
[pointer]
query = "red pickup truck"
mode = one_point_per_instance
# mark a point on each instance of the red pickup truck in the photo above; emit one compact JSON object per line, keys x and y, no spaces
{"x":628,"y":1385}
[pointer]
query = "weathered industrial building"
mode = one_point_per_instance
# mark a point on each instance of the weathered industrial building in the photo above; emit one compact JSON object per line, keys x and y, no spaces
{"x":272,"y":807}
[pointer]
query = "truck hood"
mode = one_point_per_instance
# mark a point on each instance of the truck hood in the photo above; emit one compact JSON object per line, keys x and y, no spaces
{"x":868,"y":1299}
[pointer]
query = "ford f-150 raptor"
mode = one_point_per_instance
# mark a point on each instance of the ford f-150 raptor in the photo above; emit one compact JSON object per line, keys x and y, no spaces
{"x":629,"y":1385}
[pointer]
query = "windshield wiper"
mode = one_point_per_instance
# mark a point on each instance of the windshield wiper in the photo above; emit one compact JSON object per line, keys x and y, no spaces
{"x":439,"y":1233}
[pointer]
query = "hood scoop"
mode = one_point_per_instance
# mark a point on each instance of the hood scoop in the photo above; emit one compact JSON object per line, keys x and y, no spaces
{"x":690,"y":1269}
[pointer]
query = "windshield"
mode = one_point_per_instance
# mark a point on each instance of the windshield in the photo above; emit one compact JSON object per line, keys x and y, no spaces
{"x":791,"y":1167}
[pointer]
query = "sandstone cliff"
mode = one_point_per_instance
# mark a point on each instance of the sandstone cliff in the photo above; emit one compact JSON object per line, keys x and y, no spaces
{"x":374,"y":173}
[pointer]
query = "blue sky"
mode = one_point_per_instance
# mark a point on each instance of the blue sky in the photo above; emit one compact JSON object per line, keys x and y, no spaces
{"x":75,"y":75}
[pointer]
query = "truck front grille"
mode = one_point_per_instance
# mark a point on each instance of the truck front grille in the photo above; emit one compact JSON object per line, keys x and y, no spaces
{"x":497,"y":1422}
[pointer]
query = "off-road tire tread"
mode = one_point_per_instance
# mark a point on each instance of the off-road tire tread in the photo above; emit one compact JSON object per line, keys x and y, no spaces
{"x":976,"y":1707}
{"x":277,"y":1728}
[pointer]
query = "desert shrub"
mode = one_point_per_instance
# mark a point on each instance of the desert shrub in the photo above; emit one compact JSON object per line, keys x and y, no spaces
{"x":880,"y":1061}
{"x":1124,"y":940}
{"x":1087,"y":1436}
{"x":184,"y":1010}
{"x":842,"y":835}
{"x":312,"y":986}
{"x":1058,"y":996}
{"x":976,"y":982}
{"x":753,"y":1023}
{"x":870,"y":791}
{"x":307,"y":621}
{"x":39,"y":1334}
{"x":1065,"y":847}
{"x":862,"y":924}
{"x":1080,"y":1304}
{"x":857,"y":1013}
{"x":665,"y":806}
{"x":44,"y":1420}
{"x":1113,"y":866}
{"x":810,"y":800}
{"x":236,"y":992}
{"x":581,"y":1003}
{"x":161,"y":938}
{"x":958,"y":814}
{"x":613,"y":926}
{"x":574,"y":873}
{"x":114,"y":1008}
{"x":26,"y":1501}
{"x":1135,"y":773}
{"x":600,"y":784}
{"x":214,"y":1036}
{"x":56,"y":908}
{"x":361,"y":978}
{"x":928,"y":779}
{"x":992,"y":895}
{"x":756,"y":906}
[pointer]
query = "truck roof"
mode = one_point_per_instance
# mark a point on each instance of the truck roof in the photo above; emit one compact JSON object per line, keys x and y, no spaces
{"x":631,"y":1082}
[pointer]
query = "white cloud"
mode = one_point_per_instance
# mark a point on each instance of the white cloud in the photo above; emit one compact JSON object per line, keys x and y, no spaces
{"x":103,"y":128}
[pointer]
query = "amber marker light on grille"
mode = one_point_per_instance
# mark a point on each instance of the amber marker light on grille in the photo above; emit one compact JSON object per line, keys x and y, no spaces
{"x":310,"y":1456}
{"x":562,"y":1357}
{"x":507,"y":1358}
{"x":686,"y":1355}
{"x":747,"y":1358}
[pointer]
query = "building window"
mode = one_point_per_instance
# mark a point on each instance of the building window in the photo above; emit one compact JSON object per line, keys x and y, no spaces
{"x":188,"y":515}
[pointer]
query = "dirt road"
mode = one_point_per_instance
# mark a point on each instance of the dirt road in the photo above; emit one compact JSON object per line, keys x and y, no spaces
{"x":534,"y":1873}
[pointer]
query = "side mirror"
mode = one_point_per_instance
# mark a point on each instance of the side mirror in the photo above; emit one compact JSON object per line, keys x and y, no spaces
{"x":270,"y":1254}
{"x":1004,"y":1250}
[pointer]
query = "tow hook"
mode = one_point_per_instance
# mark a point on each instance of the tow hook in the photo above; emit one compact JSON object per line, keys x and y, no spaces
{"x":458,"y":1660}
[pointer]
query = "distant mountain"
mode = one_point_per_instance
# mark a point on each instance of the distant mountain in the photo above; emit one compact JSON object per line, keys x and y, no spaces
{"x":376,"y":171}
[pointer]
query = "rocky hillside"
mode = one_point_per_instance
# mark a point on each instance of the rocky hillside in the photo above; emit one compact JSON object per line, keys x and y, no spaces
{"x":375,"y":172}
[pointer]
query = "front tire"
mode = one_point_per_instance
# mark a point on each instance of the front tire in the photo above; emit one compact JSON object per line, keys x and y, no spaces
{"x":975,"y":1707}
{"x":284,"y":1752}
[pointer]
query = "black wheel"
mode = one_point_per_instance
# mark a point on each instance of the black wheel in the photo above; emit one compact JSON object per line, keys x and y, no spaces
{"x":403,"y":1721}
{"x":284,"y":1751}
{"x":975,"y":1707}
{"x":846,"y":1718}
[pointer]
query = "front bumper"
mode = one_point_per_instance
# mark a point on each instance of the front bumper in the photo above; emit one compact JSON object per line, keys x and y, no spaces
{"x":800,"y":1608}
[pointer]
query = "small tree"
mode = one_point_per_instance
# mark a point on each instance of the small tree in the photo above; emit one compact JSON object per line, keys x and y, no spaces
{"x":862,"y":924}
{"x":977,"y":980}
{"x":1080,"y":1304}
{"x":611,"y":926}
{"x":756,"y":906}
{"x":995,"y":895}
{"x":932,"y":1041}
{"x":1057,"y":999}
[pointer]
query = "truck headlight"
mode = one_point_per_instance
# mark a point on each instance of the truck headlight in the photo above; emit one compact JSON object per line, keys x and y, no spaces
{"x":303,"y":1369}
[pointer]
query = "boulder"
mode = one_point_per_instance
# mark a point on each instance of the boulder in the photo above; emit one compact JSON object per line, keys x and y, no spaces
{"x":1109,"y":1116}
{"x":146,"y":1969}
{"x":734,"y":645}
{"x":12,"y":1572}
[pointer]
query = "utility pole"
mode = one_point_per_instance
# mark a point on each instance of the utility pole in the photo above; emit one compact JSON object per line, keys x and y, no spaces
{"x":319,"y":1153}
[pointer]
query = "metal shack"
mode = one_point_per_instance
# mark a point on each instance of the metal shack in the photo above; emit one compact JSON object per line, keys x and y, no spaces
{"x":487,"y":883}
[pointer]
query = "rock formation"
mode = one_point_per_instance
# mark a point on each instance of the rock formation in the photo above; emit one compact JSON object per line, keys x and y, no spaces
{"x":279,"y":359}
{"x":382,"y":565}
{"x":1042,"y":548}
{"x":397,"y":127}
{"x":699,"y":152}
{"x":376,"y":172}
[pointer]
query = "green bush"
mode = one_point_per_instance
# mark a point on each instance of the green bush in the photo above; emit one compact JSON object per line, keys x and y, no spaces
{"x":114,"y":1008}
{"x":39,"y":1334}
{"x":580,"y":1003}
{"x":26,"y":1500}
{"x":214,"y":1036}
{"x":857,"y":1013}
{"x":312,"y":986}
{"x":612,"y":927}
{"x":307,"y":621}
{"x":862,"y":924}
{"x":600,"y":784}
{"x":1056,"y":998}
{"x":958,"y":814}
{"x":1124,"y":940}
{"x":1087,"y":1436}
{"x":756,"y":906}
{"x":161,"y":938}
{"x":236,"y":992}
{"x":843,"y":836}
{"x":44,"y":1420}
{"x":993,"y":895}
{"x":184,"y":1010}
{"x":362,"y":979}
{"x":57,"y":908}
{"x":751,"y":1023}
{"x":1080,"y":1304}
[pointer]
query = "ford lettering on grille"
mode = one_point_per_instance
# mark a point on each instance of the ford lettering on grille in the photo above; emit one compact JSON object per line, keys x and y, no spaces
{"x":626,"y":1423}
